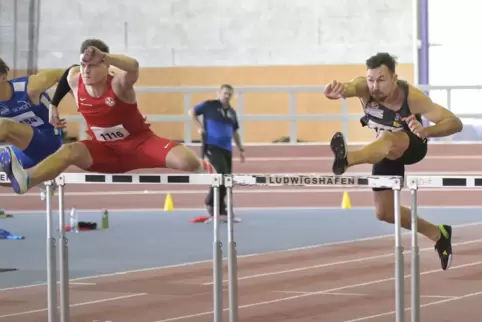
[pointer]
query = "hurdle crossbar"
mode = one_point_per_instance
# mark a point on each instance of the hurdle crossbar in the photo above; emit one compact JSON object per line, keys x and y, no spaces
{"x":414,"y":183}
{"x":390,"y":182}
{"x":214,"y":180}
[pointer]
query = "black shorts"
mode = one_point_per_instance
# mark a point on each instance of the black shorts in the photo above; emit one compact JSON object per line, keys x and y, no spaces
{"x":417,"y":150}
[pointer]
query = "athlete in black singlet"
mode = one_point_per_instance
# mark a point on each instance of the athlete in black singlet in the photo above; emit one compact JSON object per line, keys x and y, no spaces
{"x":393,"y":108}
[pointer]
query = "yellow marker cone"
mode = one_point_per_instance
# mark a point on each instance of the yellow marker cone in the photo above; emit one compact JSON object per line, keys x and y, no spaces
{"x":346,"y":203}
{"x":168,"y":203}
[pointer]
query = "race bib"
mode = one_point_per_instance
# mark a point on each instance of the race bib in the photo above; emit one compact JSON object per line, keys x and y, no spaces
{"x":114,"y":133}
{"x":29,"y":118}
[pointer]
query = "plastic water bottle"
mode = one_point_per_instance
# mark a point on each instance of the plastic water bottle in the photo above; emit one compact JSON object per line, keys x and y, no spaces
{"x":105,"y":219}
{"x":74,"y":222}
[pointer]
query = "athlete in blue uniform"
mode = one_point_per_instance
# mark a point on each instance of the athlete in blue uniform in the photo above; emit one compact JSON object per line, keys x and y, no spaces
{"x":24,"y":115}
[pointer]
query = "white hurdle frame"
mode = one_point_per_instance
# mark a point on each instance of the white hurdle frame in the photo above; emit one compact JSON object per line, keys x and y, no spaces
{"x":414,"y":183}
{"x":392,"y":182}
{"x":214,"y":180}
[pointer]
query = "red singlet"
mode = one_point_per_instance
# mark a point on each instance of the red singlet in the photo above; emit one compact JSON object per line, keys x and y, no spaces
{"x":121,"y":139}
{"x":108,"y":118}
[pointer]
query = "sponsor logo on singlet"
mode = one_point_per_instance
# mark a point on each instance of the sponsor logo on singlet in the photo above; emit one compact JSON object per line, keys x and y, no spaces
{"x":21,"y":106}
{"x":110,"y":134}
{"x":375,"y":112}
{"x":109,"y":101}
{"x":397,"y":122}
{"x":4,"y":110}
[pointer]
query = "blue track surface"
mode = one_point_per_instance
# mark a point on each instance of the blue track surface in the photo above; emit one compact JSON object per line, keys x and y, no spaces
{"x":152,"y":239}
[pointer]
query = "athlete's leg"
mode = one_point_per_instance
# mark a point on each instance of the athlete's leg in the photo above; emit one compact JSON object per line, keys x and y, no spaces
{"x":15,"y":133}
{"x":19,"y":135}
{"x":83,"y":154}
{"x":182,"y":158}
{"x":24,"y":160}
{"x":390,"y":145}
{"x":159,"y":152}
{"x":42,"y":144}
{"x":384,"y":201}
{"x":22,"y":179}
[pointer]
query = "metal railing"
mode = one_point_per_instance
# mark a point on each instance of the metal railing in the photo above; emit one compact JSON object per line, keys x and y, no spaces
{"x":292,"y":116}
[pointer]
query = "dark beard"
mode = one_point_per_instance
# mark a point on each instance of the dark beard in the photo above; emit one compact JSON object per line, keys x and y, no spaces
{"x":379,"y":98}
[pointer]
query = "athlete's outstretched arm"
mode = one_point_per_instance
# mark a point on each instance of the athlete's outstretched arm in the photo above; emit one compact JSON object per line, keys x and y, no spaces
{"x":127,"y":64}
{"x":357,"y":87}
{"x":446,"y":122}
{"x":63,"y":87}
{"x":41,"y":82}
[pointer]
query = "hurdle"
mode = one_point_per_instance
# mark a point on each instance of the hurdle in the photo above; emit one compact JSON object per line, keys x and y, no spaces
{"x":392,"y":182}
{"x":414,"y":183}
{"x":214,"y":180}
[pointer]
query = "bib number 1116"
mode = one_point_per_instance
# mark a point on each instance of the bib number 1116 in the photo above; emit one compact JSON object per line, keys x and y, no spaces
{"x":112,"y":136}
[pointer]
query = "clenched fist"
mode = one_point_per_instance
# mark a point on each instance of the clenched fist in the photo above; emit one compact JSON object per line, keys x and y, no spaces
{"x":334,"y":90}
{"x":92,"y":56}
{"x":416,"y":127}
{"x":54,"y":118}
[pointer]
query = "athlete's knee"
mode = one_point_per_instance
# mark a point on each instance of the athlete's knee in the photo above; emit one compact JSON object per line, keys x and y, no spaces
{"x":6,"y":126}
{"x":384,"y":208}
{"x":74,"y":153}
{"x":386,"y":215}
{"x":189,"y":163}
{"x":396,"y":143}
{"x":181,"y":158}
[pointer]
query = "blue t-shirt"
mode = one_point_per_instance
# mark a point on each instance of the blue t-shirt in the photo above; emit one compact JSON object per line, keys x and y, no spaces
{"x":219,"y":123}
{"x":22,"y":110}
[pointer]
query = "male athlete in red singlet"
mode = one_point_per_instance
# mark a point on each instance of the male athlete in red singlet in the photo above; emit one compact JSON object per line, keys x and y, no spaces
{"x":120,"y":141}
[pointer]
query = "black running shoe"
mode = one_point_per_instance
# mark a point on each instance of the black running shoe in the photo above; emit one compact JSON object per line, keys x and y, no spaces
{"x":338,"y":146}
{"x":444,"y":246}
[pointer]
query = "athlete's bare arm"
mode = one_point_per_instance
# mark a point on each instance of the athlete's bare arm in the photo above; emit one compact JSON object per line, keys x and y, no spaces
{"x":446,"y":122}
{"x":124,"y":80}
{"x":41,"y":82}
{"x":357,"y":87}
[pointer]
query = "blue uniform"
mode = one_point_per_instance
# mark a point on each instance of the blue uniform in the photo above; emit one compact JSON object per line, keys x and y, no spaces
{"x":46,"y":138}
{"x":219,"y":123}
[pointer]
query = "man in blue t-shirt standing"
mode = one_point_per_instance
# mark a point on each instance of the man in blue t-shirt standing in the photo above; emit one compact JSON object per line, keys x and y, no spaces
{"x":218,"y":129}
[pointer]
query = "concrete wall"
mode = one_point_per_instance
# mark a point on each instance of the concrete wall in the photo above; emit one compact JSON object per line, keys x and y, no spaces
{"x":227,"y":33}
{"x":251,"y":43}
{"x":14,"y":33}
